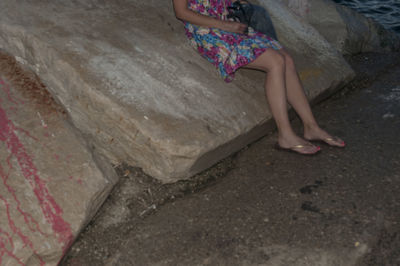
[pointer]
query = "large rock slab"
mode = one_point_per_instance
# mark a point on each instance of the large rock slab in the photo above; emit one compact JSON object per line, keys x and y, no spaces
{"x":50,"y":184}
{"x":132,"y":84}
{"x":348,"y":31}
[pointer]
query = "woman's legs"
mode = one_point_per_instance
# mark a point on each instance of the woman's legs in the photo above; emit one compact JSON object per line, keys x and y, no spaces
{"x":298,"y":100}
{"x":273,"y":63}
{"x":295,"y":91}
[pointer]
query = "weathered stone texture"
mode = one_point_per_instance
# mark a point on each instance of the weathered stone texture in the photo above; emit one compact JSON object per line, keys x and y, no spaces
{"x":348,"y":31}
{"x":50,"y":185}
{"x":132,"y":84}
{"x":321,"y":67}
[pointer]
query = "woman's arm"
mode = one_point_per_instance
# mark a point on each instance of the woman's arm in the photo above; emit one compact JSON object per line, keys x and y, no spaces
{"x":182,"y":12}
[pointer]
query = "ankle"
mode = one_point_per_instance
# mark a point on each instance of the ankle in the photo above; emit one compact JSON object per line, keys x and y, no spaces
{"x":286,"y":135}
{"x":310,"y":127}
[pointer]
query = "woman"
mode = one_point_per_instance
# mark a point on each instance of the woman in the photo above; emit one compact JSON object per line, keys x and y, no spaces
{"x":225,"y":44}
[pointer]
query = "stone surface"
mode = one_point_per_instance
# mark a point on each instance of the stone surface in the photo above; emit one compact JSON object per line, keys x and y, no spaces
{"x":140,"y":94}
{"x":268,"y":207}
{"x":348,"y":31}
{"x":50,"y":184}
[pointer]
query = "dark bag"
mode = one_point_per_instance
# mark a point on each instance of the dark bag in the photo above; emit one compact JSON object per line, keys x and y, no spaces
{"x":254,"y":16}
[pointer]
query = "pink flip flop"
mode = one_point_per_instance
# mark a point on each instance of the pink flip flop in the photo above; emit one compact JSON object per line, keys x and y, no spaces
{"x":295,"y":149}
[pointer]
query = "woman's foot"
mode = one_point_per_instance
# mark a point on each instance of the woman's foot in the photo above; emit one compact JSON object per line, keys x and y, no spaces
{"x":315,"y":133}
{"x":297,"y":145}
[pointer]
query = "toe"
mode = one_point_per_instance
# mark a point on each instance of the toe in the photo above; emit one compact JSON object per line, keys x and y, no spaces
{"x":335,"y":141}
{"x":307,"y":149}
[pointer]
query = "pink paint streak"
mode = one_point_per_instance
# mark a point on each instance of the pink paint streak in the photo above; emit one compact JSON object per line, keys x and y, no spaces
{"x":15,"y":230}
{"x":27,"y":217}
{"x":10,"y":241}
{"x":51,"y":210}
{"x":6,"y":89}
{"x":26,"y":133}
{"x":4,"y":250}
{"x":24,"y":238}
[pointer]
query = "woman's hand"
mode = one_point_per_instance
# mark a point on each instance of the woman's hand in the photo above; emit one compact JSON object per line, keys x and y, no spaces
{"x":233,"y":26}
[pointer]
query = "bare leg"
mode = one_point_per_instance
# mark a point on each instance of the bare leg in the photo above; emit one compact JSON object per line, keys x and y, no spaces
{"x":299,"y":102}
{"x":273,"y":63}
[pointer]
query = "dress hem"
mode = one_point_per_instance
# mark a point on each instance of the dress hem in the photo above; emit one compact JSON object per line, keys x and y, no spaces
{"x":231,"y":75}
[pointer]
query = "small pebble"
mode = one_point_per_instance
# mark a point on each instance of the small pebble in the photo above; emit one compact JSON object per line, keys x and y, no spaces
{"x":388,"y":115}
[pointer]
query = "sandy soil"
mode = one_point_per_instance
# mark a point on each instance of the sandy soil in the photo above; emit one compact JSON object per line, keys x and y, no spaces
{"x":268,"y":207}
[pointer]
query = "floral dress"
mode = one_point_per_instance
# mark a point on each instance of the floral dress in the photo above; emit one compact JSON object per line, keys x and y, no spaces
{"x":226,"y":50}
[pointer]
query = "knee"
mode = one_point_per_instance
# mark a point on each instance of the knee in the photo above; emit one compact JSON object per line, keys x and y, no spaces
{"x":277,"y":61}
{"x":270,"y":60}
{"x":289,"y":62}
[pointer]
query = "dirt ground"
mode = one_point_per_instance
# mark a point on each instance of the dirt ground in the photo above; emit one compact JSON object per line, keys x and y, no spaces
{"x":267,"y":207}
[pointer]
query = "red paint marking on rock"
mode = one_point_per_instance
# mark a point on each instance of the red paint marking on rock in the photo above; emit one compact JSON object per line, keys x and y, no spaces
{"x":26,"y":133}
{"x":51,"y":210}
{"x":7,"y":235}
{"x":27,"y":217}
{"x":4,"y":250}
{"x":24,"y":238}
{"x":17,"y":231}
{"x":6,"y":89}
